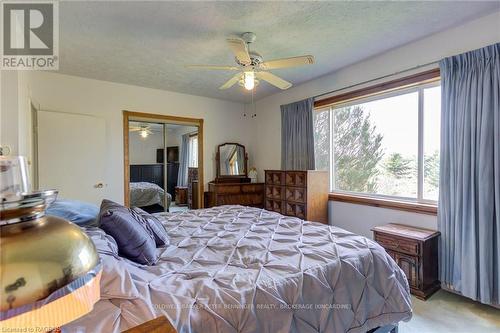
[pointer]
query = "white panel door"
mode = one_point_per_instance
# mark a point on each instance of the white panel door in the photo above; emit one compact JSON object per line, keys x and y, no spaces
{"x":71,"y":155}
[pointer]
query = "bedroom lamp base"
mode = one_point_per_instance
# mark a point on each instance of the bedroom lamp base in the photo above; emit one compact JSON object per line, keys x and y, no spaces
{"x":49,"y":267}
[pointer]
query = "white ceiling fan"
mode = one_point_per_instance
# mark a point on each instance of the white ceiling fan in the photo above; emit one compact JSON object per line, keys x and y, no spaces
{"x":251,"y":66}
{"x":143,"y":129}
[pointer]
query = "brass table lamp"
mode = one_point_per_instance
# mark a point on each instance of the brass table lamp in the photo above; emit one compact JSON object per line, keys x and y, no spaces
{"x":49,"y":268}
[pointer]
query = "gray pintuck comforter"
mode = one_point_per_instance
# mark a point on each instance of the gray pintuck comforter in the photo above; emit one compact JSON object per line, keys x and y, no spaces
{"x":240,"y":269}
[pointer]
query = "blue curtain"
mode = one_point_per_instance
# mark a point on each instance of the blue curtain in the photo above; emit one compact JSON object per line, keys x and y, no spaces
{"x":297,"y":136}
{"x":182,"y":177}
{"x":241,"y":160}
{"x":469,"y":198}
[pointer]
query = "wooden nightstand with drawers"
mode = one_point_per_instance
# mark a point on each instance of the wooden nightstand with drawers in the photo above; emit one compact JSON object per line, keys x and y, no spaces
{"x":415,"y":250}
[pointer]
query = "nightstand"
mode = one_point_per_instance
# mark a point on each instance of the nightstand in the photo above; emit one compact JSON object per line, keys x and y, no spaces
{"x":181,"y":194}
{"x":157,"y":325}
{"x":415,"y":250}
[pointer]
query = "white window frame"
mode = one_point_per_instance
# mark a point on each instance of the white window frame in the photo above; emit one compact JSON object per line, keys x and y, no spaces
{"x":420,"y":150}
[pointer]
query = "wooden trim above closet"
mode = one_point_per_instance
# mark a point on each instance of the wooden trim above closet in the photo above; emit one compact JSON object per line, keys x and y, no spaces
{"x":407,"y":81}
{"x":142,"y":116}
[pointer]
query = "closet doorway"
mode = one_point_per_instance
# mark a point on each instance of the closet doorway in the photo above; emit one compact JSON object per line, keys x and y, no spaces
{"x":163,"y":162}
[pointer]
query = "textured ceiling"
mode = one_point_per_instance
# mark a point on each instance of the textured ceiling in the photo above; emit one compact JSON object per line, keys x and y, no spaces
{"x":148,"y":43}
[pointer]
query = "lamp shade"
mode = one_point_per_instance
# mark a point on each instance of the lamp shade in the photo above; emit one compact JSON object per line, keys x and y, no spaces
{"x":61,"y":307}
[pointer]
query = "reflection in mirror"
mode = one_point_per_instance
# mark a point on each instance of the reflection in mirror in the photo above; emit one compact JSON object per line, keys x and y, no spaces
{"x":232,"y":160}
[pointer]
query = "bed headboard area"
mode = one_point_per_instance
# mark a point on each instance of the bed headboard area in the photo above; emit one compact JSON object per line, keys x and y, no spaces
{"x":151,"y":173}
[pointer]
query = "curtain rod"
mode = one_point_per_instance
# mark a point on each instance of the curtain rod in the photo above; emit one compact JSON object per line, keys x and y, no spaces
{"x":376,"y":79}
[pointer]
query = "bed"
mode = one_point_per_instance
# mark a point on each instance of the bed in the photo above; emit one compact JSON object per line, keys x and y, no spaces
{"x":143,"y":194}
{"x":242,"y":269}
{"x":147,"y":184}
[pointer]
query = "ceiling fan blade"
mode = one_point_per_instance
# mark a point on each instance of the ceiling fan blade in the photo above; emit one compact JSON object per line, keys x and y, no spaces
{"x":231,"y":81}
{"x":240,"y":50}
{"x":134,"y":129}
{"x":216,"y":67}
{"x":288,"y":62}
{"x":274,"y":80}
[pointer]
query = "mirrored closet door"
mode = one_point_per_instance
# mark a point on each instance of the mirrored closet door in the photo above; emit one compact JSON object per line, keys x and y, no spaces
{"x":161,"y":157}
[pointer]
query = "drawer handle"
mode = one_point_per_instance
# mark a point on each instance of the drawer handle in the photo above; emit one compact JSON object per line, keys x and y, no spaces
{"x":395,"y":244}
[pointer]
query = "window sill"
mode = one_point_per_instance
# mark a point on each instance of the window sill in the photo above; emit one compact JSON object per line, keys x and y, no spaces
{"x":413,"y":207}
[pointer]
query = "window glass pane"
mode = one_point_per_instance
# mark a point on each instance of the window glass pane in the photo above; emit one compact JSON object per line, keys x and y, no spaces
{"x":432,"y":125}
{"x":322,"y":139}
{"x":193,"y":152}
{"x":376,"y":146}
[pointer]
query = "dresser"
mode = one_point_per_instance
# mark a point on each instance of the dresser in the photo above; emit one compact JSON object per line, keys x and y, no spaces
{"x":303,"y":194}
{"x":245,"y":194}
{"x":415,"y":250}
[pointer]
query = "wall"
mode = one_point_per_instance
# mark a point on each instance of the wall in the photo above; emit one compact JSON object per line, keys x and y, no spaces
{"x":14,"y":105}
{"x":174,"y":135}
{"x":360,"y":219}
{"x":14,"y":112}
{"x":143,"y":150}
{"x":9,"y":111}
{"x":65,"y":93}
{"x":474,"y":34}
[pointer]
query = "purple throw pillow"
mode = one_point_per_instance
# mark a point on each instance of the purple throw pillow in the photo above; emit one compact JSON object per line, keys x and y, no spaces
{"x":130,"y":231}
{"x":157,"y":229}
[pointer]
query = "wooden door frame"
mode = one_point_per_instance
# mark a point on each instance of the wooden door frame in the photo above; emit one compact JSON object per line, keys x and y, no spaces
{"x":159,"y":118}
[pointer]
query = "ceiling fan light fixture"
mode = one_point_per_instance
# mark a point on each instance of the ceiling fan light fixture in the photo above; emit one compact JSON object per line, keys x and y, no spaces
{"x":249,"y":80}
{"x":144,"y":133}
{"x":251,"y":66}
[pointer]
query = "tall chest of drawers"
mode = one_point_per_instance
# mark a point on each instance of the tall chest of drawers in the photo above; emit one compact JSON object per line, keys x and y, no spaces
{"x":303,"y":194}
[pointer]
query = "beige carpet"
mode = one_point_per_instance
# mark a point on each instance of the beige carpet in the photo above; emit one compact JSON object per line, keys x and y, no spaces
{"x":445,"y":312}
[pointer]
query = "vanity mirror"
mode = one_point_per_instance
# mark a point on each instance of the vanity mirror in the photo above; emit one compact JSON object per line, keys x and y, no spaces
{"x":232,"y":185}
{"x":231,"y":159}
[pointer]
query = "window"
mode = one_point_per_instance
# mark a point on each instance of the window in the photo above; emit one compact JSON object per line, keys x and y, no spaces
{"x":432,"y":142}
{"x":233,"y":163}
{"x":384,"y":145}
{"x":193,"y":151}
